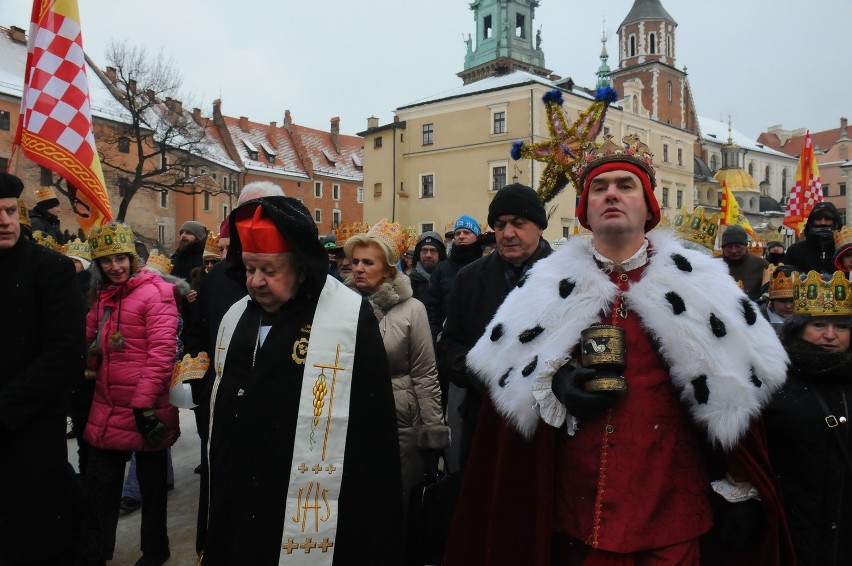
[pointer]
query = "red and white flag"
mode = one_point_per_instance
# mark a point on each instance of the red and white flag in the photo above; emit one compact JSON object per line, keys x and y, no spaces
{"x":55,"y":126}
{"x":806,"y":192}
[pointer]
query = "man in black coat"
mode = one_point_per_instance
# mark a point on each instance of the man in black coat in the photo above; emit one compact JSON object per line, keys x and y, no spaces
{"x":518,"y":218}
{"x":43,"y":337}
{"x":190,"y":251}
{"x":45,"y":215}
{"x":816,"y":251}
{"x":428,"y":252}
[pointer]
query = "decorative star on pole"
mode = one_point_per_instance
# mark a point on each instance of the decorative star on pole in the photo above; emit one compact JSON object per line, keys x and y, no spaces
{"x":563,"y":150}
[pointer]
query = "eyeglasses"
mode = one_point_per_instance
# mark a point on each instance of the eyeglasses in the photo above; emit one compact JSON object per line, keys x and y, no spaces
{"x":211,"y":261}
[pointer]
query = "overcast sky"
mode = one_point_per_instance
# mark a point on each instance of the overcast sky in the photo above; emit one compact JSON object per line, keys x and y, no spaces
{"x":764,"y":62}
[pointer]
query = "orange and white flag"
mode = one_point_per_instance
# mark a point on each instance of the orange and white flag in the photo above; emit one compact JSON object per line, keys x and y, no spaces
{"x":55,"y":126}
{"x":806,"y":192}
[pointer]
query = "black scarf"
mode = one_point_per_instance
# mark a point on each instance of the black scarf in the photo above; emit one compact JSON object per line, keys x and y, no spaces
{"x":812,"y":363}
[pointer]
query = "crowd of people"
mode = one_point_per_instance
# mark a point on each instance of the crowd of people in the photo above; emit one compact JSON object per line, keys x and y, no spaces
{"x":329,"y":374}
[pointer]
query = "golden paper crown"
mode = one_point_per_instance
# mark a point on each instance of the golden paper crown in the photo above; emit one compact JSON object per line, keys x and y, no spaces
{"x":842,"y":237}
{"x":24,"y":214}
{"x":44,"y":193}
{"x":696,"y":227}
{"x":78,"y":248}
{"x":344,"y":232}
{"x":631,"y":149}
{"x":159,"y":262}
{"x":779,"y":279}
{"x":816,"y":296}
{"x":46,"y":240}
{"x":112,"y":238}
{"x":190,"y":368}
{"x":757,"y":247}
{"x":211,"y":246}
{"x":393,"y":235}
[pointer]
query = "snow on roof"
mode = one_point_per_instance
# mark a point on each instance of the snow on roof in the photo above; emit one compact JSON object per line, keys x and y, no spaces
{"x":717,"y":131}
{"x":515,"y":78}
{"x":268,"y":150}
{"x":331,"y":159}
{"x":356,"y":160}
{"x":250,"y":146}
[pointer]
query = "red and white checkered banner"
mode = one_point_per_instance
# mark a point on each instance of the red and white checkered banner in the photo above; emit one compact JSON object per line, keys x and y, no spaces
{"x":806,"y":192}
{"x":55,"y":127}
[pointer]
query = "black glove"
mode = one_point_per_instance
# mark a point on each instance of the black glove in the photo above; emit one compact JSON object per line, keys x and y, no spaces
{"x":150,"y":426}
{"x":739,"y":524}
{"x":568,"y":386}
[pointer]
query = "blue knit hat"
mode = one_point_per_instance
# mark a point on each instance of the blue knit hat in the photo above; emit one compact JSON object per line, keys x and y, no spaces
{"x":468,"y":222}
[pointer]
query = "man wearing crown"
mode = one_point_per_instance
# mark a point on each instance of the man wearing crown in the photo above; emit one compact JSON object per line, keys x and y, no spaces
{"x":303,"y":451}
{"x":43,"y":337}
{"x":45,"y":214}
{"x":569,"y":466}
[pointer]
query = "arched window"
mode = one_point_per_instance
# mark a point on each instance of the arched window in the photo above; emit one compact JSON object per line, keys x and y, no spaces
{"x":669,"y":92}
{"x":652,"y":40}
{"x":751,"y":168}
{"x":713,"y":163}
{"x":633,"y":46}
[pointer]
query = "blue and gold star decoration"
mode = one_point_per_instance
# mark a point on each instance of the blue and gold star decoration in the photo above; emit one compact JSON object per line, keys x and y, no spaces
{"x":563,"y":150}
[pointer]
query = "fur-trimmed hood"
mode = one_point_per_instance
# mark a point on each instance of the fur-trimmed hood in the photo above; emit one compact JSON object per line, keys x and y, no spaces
{"x":725,"y":360}
{"x":390,"y":293}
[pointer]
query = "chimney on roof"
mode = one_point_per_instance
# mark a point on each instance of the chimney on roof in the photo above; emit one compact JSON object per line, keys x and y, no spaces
{"x":843,"y":123}
{"x":174,"y":105}
{"x":17,"y":35}
{"x":196,"y":114}
{"x":273,"y":125}
{"x":396,"y":119}
{"x":150,"y":94}
{"x":111,"y":75}
{"x":131,"y":85}
{"x":287,"y":119}
{"x":217,"y":108}
{"x":335,"y":133}
{"x":372,"y":122}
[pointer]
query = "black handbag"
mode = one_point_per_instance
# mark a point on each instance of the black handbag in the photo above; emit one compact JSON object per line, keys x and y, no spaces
{"x":430,"y":513}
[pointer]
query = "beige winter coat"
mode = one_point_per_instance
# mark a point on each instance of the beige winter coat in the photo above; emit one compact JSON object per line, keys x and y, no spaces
{"x":411,"y":358}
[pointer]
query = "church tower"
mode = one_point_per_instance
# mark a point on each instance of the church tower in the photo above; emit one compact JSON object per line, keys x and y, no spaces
{"x":646,"y":67}
{"x":504,"y":40}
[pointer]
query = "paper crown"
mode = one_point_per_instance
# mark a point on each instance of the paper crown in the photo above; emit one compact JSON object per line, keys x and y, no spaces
{"x":112,"y":238}
{"x":393,"y":235}
{"x":190,"y":368}
{"x":24,"y":214}
{"x":159,"y":263}
{"x":816,"y":296}
{"x":696,"y":227}
{"x":631,"y":149}
{"x":757,"y":247}
{"x":46,"y":240}
{"x":842,"y":237}
{"x":78,"y":248}
{"x":211,"y":247}
{"x":344,"y":232}
{"x":44,"y":193}
{"x":779,"y":281}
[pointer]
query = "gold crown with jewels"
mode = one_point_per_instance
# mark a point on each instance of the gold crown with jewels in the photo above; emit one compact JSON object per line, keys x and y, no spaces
{"x":696,"y":227}
{"x":47,"y":241}
{"x":395,"y":236}
{"x":818,"y":295}
{"x":78,"y":248}
{"x":110,"y":239}
{"x":190,"y":368}
{"x":24,"y":214}
{"x":159,"y":263}
{"x":44,"y":193}
{"x":631,"y":149}
{"x":842,"y":237}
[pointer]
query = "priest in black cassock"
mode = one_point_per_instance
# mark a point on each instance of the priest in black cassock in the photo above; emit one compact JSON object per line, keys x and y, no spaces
{"x":303,"y":450}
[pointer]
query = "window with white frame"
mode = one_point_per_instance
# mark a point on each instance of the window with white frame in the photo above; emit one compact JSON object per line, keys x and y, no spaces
{"x":359,"y":194}
{"x":427,"y":185}
{"x":679,"y":199}
{"x":317,"y":189}
{"x":317,"y":215}
{"x":161,"y":233}
{"x":336,"y":217}
{"x":206,"y":200}
{"x":499,"y":122}
{"x":427,"y":227}
{"x":665,"y":202}
{"x":335,"y":192}
{"x":225,"y":211}
{"x":164,"y":198}
{"x":498,"y":175}
{"x":428,"y":134}
{"x":666,"y":152}
{"x":680,"y":156}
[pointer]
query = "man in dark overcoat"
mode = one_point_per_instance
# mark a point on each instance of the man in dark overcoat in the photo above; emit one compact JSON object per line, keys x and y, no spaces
{"x":43,"y":338}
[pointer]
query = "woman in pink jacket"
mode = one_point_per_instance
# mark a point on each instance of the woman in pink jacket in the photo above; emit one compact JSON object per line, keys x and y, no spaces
{"x":132,"y":329}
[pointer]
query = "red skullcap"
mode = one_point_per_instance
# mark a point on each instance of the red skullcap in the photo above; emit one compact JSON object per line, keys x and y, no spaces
{"x":225,"y":229}
{"x":258,"y":233}
{"x":650,"y":198}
